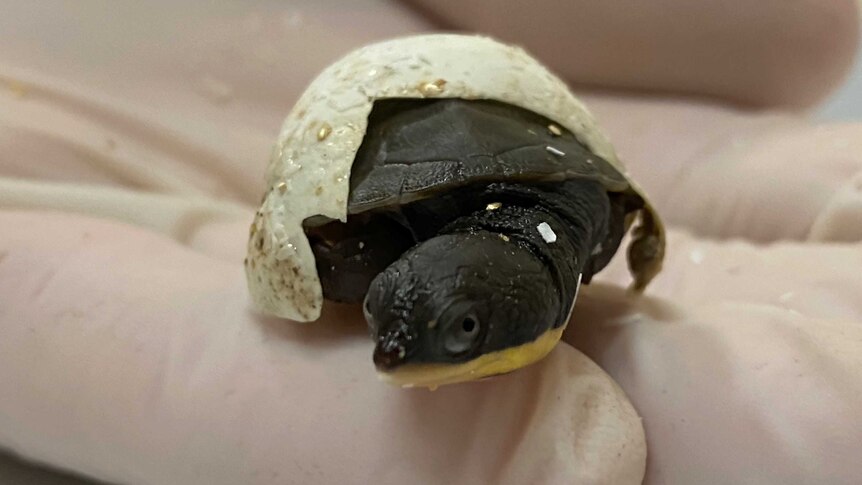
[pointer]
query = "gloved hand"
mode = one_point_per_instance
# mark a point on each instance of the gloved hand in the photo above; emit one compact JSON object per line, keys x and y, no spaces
{"x":132,"y":145}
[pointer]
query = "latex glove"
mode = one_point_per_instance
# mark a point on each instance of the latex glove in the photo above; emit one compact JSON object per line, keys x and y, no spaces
{"x":128,"y":351}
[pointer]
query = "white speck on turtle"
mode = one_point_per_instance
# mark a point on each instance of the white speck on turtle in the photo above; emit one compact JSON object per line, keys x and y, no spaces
{"x":504,"y":237}
{"x":493,"y":206}
{"x":590,"y":161}
{"x":696,"y":256}
{"x":555,"y":151}
{"x":555,"y":130}
{"x":401,"y":352}
{"x":323,"y":132}
{"x":361,"y":244}
{"x":597,"y":249}
{"x":547,"y":233}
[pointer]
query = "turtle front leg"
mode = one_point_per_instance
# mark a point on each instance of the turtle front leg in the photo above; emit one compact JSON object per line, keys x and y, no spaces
{"x":349,"y":256}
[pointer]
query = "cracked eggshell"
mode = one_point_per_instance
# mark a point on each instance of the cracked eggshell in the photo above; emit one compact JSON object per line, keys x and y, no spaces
{"x":309,"y":172}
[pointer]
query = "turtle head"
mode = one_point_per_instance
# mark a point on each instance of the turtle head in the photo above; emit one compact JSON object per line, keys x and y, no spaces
{"x":460,"y":307}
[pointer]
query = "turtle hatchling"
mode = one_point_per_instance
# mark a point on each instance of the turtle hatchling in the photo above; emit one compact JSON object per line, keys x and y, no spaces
{"x":455,"y":188}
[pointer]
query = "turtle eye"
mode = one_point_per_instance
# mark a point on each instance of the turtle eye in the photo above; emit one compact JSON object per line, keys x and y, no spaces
{"x":462,"y":334}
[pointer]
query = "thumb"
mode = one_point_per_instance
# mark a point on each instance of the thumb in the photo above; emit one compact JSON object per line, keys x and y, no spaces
{"x":135,"y":359}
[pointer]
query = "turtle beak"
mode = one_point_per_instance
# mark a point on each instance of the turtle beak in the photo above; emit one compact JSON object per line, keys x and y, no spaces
{"x":392,"y":348}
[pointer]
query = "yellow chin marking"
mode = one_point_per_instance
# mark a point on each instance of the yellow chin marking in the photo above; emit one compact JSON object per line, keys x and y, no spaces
{"x":499,"y":362}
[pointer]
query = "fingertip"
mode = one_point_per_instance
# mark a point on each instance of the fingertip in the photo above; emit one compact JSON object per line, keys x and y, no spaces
{"x":599,"y":430}
{"x":580,"y":428}
{"x":562,"y":420}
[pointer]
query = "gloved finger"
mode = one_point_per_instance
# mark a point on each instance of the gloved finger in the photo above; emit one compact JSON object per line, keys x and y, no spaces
{"x":816,"y":280}
{"x":186,"y":103}
{"x":732,"y":391}
{"x":752,"y":351}
{"x":762,"y":53}
{"x":216,"y":228}
{"x":725,"y":173}
{"x":149,"y":356}
{"x":53,"y":130}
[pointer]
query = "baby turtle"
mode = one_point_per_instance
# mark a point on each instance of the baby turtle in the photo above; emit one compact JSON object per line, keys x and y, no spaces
{"x":459,"y":190}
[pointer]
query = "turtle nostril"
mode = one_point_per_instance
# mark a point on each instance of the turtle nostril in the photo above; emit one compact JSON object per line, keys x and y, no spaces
{"x":391,"y":349}
{"x":389,"y":354}
{"x":387,"y":359}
